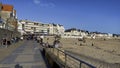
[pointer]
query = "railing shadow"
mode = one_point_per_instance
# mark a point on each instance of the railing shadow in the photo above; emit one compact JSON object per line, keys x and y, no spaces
{"x":42,"y":51}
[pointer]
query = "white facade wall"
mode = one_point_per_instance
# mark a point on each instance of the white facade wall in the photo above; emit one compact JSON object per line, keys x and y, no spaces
{"x":2,"y":23}
{"x":51,"y":29}
{"x":56,"y":29}
{"x":83,"y":34}
{"x":100,"y":35}
{"x":75,"y":34}
{"x":20,"y":28}
{"x":33,"y":27}
{"x":72,"y":37}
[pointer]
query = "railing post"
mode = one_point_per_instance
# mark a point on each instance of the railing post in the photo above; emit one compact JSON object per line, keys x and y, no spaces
{"x":65,"y":57}
{"x":65,"y":60}
{"x":58,"y":53}
{"x":50,"y":49}
{"x":53,"y":50}
{"x":80,"y":64}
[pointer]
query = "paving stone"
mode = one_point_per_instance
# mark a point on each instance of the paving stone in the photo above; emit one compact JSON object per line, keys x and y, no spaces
{"x":28,"y":56}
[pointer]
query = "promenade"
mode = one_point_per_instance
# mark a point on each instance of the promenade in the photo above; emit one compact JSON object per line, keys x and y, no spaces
{"x":27,"y":55}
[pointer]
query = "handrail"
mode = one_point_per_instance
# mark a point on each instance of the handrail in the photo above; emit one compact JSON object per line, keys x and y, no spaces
{"x":66,"y":55}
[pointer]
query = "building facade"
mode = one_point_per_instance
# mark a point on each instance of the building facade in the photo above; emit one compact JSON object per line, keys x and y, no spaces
{"x":30,"y":27}
{"x":8,"y":19}
{"x":75,"y":33}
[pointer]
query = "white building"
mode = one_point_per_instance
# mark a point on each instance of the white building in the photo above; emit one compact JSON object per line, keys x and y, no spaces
{"x":8,"y":18}
{"x":2,"y":23}
{"x":100,"y":35}
{"x":74,"y":33}
{"x":56,"y":29}
{"x":20,"y":28}
{"x":27,"y":27}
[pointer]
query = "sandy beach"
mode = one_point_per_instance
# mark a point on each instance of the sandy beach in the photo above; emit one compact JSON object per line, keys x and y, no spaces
{"x":102,"y":53}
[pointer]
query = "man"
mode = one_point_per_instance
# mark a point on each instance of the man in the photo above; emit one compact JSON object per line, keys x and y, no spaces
{"x":57,"y":44}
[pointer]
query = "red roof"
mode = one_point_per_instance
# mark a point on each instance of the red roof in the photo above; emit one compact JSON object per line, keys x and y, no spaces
{"x":6,"y":7}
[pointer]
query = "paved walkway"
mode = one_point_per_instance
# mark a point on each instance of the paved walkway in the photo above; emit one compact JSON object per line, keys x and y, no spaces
{"x":28,"y":55}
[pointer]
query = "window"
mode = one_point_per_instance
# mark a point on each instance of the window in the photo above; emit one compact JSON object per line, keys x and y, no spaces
{"x":35,"y":23}
{"x":32,"y":27}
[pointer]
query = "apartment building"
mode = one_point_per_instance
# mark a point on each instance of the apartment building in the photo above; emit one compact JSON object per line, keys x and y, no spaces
{"x":8,"y":17}
{"x":100,"y":35}
{"x":30,"y":27}
{"x":56,"y":29}
{"x":75,"y":33}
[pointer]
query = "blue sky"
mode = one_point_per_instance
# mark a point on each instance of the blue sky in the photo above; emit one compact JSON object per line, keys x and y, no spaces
{"x":91,"y":15}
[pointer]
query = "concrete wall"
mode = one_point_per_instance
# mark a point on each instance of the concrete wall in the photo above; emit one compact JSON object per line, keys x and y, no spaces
{"x":8,"y":34}
{"x":51,"y":59}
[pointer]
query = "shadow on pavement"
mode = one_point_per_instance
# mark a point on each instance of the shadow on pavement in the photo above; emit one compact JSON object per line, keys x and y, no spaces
{"x":43,"y":56}
{"x":18,"y":66}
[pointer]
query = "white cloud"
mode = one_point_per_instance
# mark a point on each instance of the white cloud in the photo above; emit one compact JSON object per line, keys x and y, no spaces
{"x":50,"y":4}
{"x":36,"y":1}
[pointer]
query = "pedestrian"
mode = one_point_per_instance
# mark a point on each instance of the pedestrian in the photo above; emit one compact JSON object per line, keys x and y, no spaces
{"x":1,"y":42}
{"x":5,"y":42}
{"x":47,"y":44}
{"x":57,"y":44}
{"x":21,"y":38}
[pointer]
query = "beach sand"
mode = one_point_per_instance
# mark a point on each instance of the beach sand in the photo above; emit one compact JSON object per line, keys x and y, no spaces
{"x":102,"y":53}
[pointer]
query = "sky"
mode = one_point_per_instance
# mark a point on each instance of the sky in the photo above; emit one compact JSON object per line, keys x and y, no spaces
{"x":91,"y":15}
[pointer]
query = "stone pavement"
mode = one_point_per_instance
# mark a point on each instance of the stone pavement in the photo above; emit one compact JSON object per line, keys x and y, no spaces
{"x":27,"y":56}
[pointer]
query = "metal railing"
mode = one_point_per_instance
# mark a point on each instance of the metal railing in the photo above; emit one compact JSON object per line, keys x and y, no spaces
{"x":68,"y":60}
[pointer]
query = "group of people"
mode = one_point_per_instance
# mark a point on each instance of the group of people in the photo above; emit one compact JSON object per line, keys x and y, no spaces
{"x":56,"y":42}
{"x":39,"y":39}
{"x":7,"y":41}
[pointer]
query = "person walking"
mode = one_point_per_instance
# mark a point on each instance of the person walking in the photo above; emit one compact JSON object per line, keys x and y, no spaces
{"x":57,"y":44}
{"x":5,"y":42}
